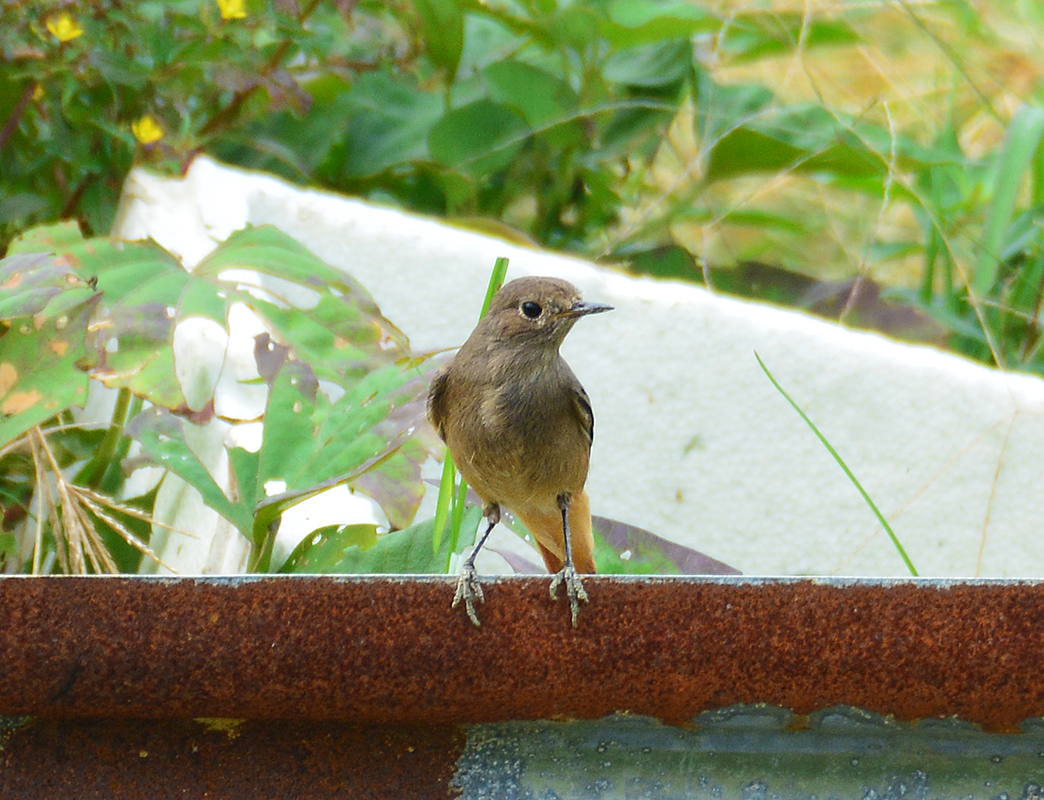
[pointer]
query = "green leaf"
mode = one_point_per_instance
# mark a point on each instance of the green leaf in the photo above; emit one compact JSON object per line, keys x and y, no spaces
{"x":322,"y":549}
{"x":388,"y":123}
{"x":328,"y":318}
{"x":311,"y":444}
{"x":47,"y":238}
{"x":397,"y":484}
{"x":48,"y":308}
{"x":652,"y":65}
{"x":722,"y":108}
{"x":19,"y":206}
{"x":636,"y":22}
{"x":442,"y":32}
{"x":541,"y":97}
{"x":32,"y":284}
{"x":9,"y":552}
{"x":479,"y":138}
{"x":407,"y":551}
{"x":164,"y":443}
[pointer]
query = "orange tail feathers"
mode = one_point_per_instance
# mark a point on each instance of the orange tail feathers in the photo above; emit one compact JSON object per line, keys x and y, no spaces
{"x":547,"y":530}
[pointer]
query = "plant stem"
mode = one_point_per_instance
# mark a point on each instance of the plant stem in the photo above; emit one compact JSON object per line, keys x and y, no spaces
{"x":93,"y":472}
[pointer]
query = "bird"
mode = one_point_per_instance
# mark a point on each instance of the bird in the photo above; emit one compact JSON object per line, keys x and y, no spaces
{"x":519,"y":426}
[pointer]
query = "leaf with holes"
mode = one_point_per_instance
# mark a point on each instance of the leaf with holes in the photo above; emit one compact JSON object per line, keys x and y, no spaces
{"x":43,"y":328}
{"x":349,"y":550}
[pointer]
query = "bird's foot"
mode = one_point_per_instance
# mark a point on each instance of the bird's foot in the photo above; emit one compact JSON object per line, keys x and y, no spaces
{"x":574,"y":588}
{"x":469,"y":590}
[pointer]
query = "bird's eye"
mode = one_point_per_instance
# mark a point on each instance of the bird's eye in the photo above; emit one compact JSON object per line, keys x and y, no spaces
{"x":531,"y":309}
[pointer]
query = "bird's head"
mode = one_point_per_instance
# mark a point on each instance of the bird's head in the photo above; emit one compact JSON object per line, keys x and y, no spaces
{"x":537,"y":311}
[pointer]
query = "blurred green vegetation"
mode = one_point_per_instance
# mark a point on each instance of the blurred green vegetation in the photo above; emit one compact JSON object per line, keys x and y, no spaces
{"x":339,"y":392}
{"x":853,"y":159}
{"x":875,"y":163}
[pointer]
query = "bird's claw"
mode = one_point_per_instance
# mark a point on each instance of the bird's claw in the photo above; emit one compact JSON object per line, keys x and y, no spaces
{"x":469,"y":590}
{"x":574,"y":588}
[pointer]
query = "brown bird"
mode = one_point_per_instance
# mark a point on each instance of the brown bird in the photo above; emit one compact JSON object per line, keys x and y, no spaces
{"x":520,"y":427}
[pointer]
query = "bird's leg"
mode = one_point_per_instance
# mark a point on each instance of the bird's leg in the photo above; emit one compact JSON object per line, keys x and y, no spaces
{"x":468,"y":587}
{"x":568,"y":574}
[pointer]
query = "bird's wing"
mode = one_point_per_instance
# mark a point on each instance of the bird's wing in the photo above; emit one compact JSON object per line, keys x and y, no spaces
{"x":436,"y":403}
{"x":582,"y":406}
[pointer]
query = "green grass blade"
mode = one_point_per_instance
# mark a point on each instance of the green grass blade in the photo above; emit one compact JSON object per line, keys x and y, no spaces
{"x":450,"y":504}
{"x":1020,"y":146}
{"x":855,"y":482}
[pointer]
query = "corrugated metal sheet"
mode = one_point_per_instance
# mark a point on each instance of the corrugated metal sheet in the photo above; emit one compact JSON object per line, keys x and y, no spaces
{"x":378,"y":678}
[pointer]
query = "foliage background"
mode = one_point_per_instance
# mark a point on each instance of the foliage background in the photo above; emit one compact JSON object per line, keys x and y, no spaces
{"x":875,"y":162}
{"x":812,"y":153}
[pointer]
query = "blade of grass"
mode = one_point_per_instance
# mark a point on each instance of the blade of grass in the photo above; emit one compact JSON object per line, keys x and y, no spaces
{"x":855,"y":482}
{"x":451,"y":499}
{"x":1020,"y":146}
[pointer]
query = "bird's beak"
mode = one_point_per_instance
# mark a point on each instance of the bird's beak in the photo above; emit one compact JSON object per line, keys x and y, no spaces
{"x":582,"y":309}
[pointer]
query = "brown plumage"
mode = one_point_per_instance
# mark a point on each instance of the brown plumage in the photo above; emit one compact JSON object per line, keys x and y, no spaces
{"x":519,"y":426}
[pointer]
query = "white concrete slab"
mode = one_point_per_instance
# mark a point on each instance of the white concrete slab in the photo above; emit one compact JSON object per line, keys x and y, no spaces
{"x":692,"y":440}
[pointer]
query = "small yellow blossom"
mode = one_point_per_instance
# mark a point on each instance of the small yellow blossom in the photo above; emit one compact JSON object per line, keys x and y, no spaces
{"x":38,"y":93}
{"x":64,"y":28}
{"x":146,"y":130}
{"x":232,"y":9}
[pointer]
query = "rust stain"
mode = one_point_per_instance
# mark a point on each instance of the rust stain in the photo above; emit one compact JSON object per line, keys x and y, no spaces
{"x":162,"y":758}
{"x":392,"y":651}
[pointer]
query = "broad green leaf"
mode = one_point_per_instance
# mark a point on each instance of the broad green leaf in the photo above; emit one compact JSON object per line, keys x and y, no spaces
{"x":396,"y":484}
{"x":721,"y":108}
{"x":542,"y":98}
{"x":328,"y":318}
{"x":15,"y":208}
{"x":40,"y":374}
{"x":479,"y":138}
{"x":443,"y":33}
{"x":290,"y":428}
{"x":325,"y":316}
{"x":635,"y":22}
{"x":406,"y":551}
{"x":388,"y":124}
{"x":651,"y":65}
{"x":47,"y":238}
{"x":362,"y":425}
{"x":163,"y":443}
{"x":8,"y":551}
{"x":311,"y":444}
{"x":809,"y":140}
{"x":39,"y":283}
{"x":322,"y":549}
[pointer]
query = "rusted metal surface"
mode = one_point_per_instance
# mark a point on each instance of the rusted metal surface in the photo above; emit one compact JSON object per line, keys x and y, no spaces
{"x":71,"y":759}
{"x":391,"y":650}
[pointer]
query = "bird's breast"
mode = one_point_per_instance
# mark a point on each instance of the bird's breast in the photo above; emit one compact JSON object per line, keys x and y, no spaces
{"x":519,"y":442}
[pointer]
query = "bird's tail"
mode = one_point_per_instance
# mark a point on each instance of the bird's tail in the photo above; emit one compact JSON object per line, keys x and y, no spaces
{"x":547,"y":530}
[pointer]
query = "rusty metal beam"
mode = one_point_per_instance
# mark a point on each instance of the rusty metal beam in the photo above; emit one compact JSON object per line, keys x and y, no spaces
{"x":389,"y":650}
{"x":118,"y":759}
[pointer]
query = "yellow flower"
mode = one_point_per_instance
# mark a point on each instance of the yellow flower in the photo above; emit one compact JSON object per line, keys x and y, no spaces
{"x":232,"y":9}
{"x":39,"y":93}
{"x":146,"y":130}
{"x":64,"y":27}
